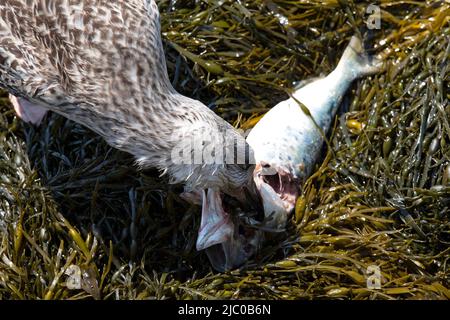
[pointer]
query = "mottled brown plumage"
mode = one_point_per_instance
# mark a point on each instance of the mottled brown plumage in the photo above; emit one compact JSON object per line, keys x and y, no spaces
{"x":101,"y":63}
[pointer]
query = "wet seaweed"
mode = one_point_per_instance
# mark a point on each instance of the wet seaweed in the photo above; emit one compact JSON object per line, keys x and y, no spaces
{"x":79,"y":221}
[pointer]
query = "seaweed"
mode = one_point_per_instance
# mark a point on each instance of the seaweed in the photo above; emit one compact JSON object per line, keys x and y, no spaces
{"x":79,"y":221}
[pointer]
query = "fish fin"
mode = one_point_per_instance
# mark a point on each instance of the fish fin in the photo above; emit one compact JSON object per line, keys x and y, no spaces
{"x":356,"y":60}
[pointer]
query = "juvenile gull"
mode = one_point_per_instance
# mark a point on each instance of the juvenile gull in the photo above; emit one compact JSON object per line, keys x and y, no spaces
{"x":101,"y":63}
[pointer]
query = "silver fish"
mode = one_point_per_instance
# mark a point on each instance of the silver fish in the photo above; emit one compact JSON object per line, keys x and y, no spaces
{"x":286,"y":142}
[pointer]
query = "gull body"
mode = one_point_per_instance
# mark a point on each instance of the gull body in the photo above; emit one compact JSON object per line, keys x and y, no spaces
{"x":101,"y":63}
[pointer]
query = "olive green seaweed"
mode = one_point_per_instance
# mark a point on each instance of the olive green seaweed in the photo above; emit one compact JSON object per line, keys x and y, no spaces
{"x":71,"y":206}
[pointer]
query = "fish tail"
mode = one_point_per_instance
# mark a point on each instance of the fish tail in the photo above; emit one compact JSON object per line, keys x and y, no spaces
{"x":356,"y":62}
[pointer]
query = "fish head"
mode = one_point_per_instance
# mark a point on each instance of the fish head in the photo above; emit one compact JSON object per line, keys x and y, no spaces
{"x":278,"y":189}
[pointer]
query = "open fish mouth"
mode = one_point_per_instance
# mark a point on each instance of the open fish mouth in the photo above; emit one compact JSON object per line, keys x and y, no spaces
{"x":278,"y":189}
